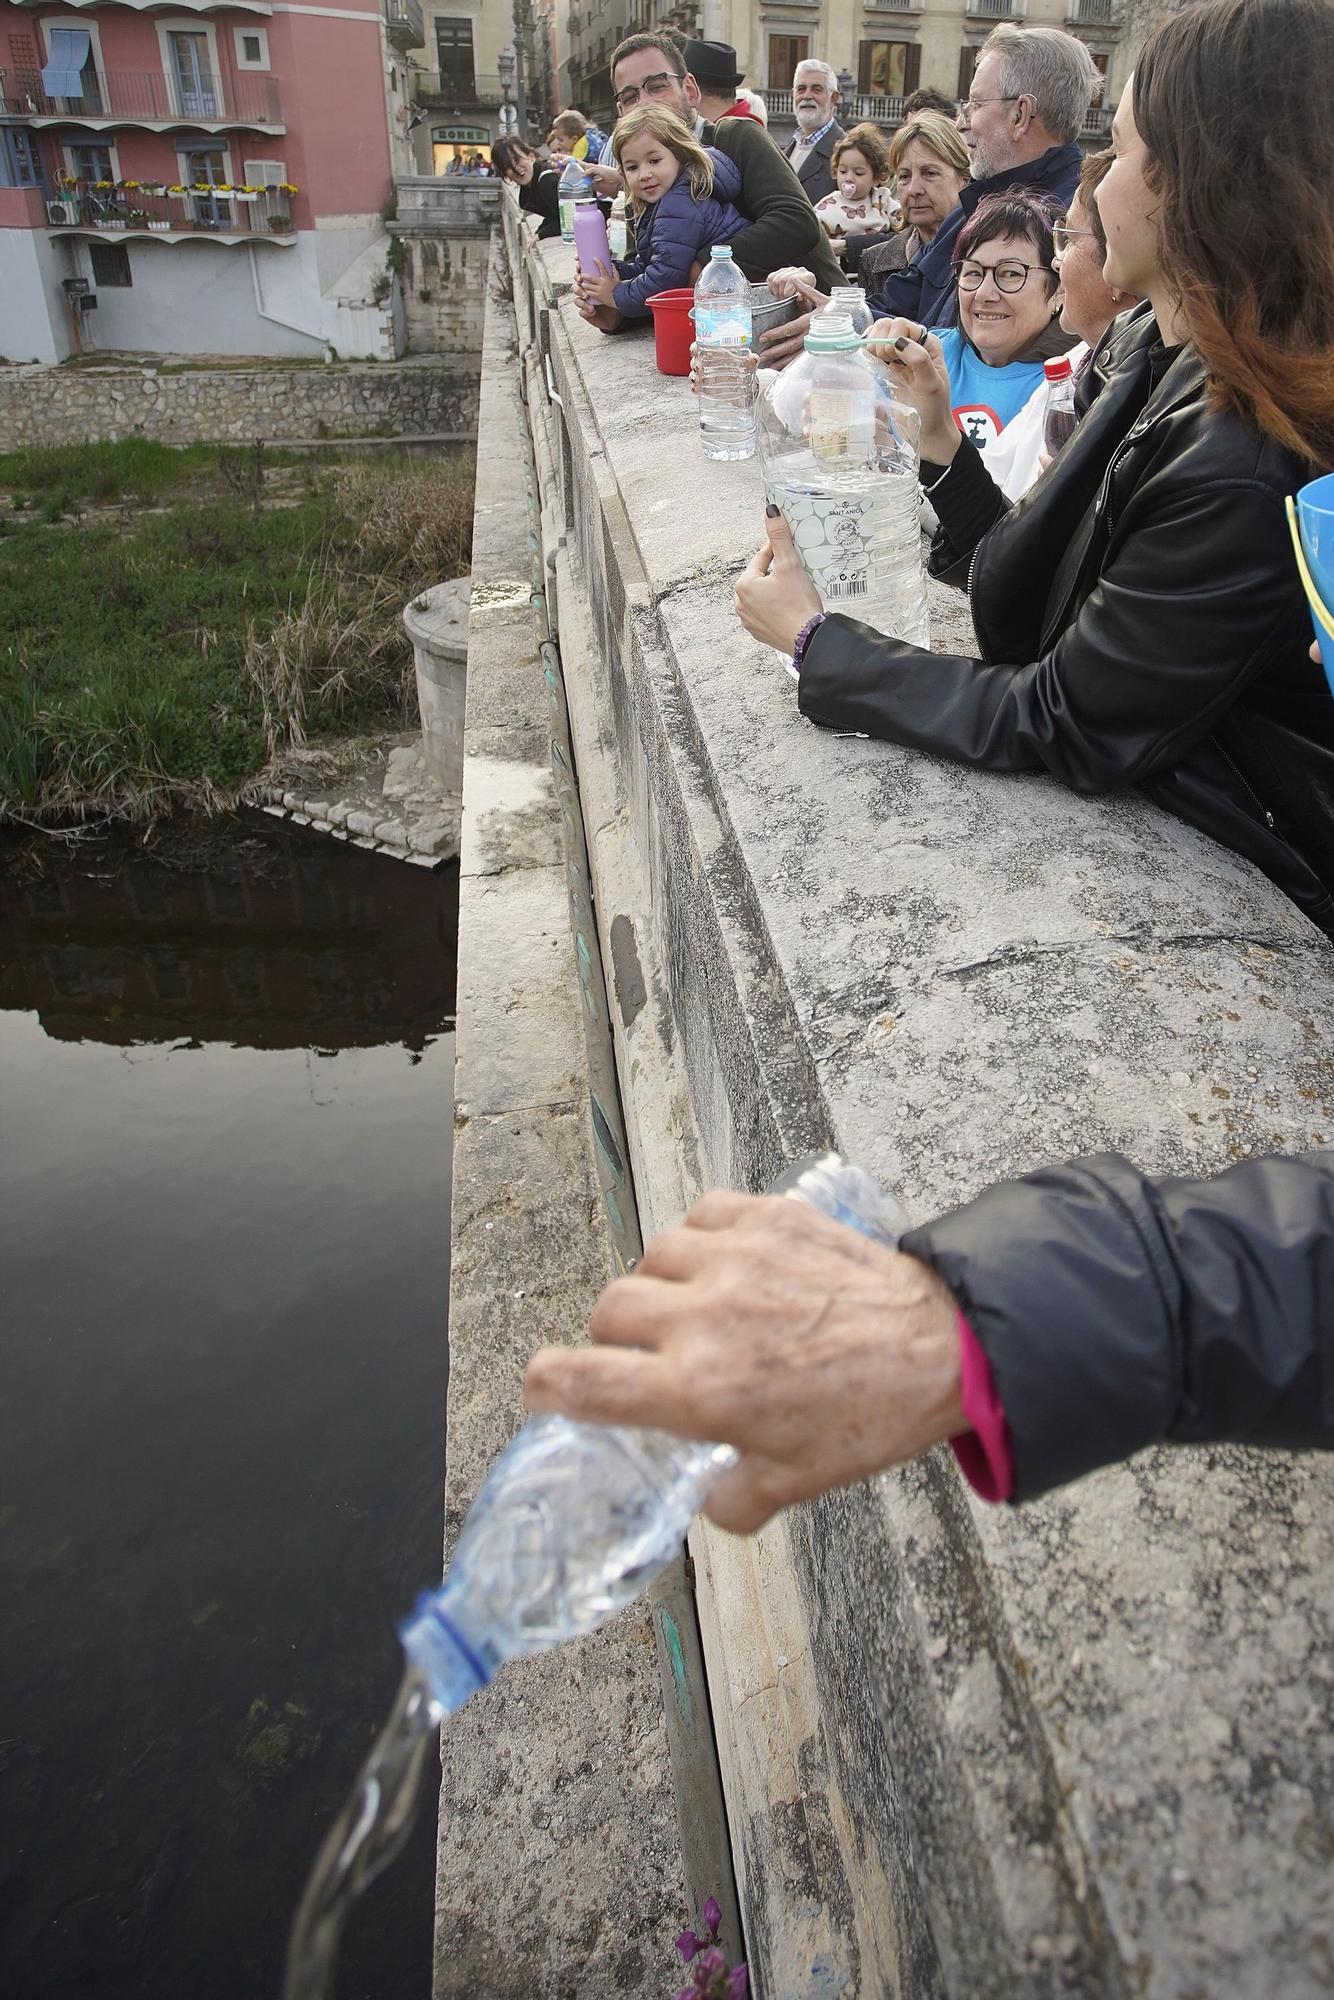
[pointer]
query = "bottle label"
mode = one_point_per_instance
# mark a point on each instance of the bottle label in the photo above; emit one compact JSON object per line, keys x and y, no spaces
{"x":566,"y":207}
{"x":841,"y":425}
{"x":722,"y":326}
{"x":835,"y":539}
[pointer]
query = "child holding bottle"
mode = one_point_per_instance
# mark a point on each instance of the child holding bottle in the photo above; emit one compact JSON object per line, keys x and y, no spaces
{"x":683,"y":196}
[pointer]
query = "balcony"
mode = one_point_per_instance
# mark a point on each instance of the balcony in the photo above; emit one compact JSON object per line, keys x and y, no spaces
{"x":893,"y":6}
{"x":1097,"y":122}
{"x":996,"y":10}
{"x":1093,"y":13}
{"x":154,"y":101}
{"x":443,"y":91}
{"x":857,"y":105}
{"x":404,"y":26}
{"x":154,"y":211}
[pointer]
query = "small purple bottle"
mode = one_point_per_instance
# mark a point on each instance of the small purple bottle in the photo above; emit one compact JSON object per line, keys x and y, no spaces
{"x":590,"y":240}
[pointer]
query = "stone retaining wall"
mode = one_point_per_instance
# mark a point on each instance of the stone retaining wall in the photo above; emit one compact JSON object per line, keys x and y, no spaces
{"x":1085,"y":1746}
{"x":50,"y":406}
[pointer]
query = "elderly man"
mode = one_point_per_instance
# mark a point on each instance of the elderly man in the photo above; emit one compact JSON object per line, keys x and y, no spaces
{"x":650,"y":69}
{"x":814,"y":103}
{"x":1031,"y":89}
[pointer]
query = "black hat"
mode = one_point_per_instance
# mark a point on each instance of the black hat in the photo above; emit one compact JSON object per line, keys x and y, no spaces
{"x":713,"y":65}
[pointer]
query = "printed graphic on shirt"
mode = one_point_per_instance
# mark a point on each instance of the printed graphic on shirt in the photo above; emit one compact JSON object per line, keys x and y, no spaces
{"x":979,"y":423}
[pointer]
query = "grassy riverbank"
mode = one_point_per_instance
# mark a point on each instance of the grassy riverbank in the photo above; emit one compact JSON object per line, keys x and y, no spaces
{"x":172,"y":620}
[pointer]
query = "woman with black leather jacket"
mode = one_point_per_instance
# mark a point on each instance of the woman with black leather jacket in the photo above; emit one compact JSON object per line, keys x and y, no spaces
{"x":1138,"y":613}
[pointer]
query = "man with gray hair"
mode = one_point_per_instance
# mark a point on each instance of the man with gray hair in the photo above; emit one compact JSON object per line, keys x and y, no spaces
{"x":1031,"y":89}
{"x":814,"y":105}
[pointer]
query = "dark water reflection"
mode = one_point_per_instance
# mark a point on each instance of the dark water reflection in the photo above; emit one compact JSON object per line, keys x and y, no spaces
{"x":225,"y":1095}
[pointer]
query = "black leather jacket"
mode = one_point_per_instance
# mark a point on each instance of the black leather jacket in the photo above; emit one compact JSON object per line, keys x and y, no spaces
{"x":1140,"y":621}
{"x":1118,"y":1312}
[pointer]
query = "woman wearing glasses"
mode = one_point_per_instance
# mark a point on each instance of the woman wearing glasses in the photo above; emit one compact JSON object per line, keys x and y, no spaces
{"x":1007,"y":314}
{"x":1138,"y":614}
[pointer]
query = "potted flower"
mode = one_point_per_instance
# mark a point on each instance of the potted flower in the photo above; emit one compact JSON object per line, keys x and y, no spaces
{"x":280,"y":222}
{"x":246,"y":193}
{"x":106,"y":217}
{"x":67,"y":200}
{"x":137,"y":218}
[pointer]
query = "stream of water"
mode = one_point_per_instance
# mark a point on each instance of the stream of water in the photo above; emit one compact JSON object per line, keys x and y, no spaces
{"x":225,"y":1081}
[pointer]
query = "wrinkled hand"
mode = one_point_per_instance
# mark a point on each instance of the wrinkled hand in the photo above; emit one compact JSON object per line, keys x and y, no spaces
{"x":791,"y":281}
{"x":819,"y":1355}
{"x":773,"y":595}
{"x":921,"y":377}
{"x":782,"y":344}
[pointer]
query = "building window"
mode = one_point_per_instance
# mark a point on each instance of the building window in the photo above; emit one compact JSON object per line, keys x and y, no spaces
{"x":111,"y":265}
{"x":252,"y":48}
{"x":207,"y":166}
{"x":20,"y":161}
{"x":91,"y":163}
{"x":265,"y":173}
{"x":968,"y":56}
{"x":785,"y":52}
{"x":453,"y":51}
{"x":190,"y":69}
{"x":889,"y":69}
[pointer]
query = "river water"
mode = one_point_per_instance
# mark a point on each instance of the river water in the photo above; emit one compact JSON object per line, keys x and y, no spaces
{"x":225,"y":1100}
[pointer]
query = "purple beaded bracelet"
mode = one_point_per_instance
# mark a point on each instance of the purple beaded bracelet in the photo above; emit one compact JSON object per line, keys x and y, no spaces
{"x":804,"y":637}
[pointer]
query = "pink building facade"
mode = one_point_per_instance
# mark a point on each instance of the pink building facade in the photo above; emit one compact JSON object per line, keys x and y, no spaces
{"x":213,"y":176}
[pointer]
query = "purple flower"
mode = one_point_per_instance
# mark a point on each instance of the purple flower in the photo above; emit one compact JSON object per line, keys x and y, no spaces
{"x":713,"y":1916}
{"x":687,"y":1944}
{"x":708,"y":1965}
{"x":738,"y":1986}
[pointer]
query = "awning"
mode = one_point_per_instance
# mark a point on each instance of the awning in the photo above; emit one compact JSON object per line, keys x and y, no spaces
{"x":68,"y":50}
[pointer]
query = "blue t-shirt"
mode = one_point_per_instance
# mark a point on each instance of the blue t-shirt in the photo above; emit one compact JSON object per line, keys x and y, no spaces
{"x":985,"y":399}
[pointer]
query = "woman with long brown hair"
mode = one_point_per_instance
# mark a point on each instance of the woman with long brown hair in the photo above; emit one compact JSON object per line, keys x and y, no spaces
{"x":1138,"y":614}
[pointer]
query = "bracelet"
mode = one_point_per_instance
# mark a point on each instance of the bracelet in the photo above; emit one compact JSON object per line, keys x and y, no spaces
{"x":804,"y":638}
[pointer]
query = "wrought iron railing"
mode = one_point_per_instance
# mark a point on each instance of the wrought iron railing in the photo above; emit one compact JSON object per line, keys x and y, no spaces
{"x":205,"y":211}
{"x":452,"y":92}
{"x":152,"y":96}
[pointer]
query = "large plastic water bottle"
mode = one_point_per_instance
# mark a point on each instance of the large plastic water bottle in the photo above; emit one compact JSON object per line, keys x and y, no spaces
{"x":574,"y":186}
{"x":575,"y":1519}
{"x":840,"y":456}
{"x":722,"y":341}
{"x":849,"y":302}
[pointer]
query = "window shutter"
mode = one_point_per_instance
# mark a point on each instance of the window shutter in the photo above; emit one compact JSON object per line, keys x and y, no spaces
{"x":265,"y":173}
{"x":967,"y":64}
{"x":912,"y":68}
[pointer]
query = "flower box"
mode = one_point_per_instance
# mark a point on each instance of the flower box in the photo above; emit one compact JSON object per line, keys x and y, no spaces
{"x":159,"y":222}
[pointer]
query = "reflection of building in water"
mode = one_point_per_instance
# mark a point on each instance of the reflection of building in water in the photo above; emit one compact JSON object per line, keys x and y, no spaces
{"x":293,"y":941}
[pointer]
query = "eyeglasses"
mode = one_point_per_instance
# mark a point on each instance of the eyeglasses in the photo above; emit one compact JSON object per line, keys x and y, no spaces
{"x":1008,"y":277}
{"x":1062,"y":237}
{"x":656,"y":85}
{"x":968,"y":105}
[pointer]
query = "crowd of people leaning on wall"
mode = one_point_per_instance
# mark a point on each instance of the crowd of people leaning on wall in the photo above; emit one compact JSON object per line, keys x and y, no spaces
{"x":1139,"y":622}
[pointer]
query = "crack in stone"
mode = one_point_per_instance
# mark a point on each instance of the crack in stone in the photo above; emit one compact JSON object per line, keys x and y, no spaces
{"x":1023,"y":954}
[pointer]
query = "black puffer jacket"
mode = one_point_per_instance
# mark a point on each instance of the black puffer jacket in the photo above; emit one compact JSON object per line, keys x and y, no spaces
{"x":1118,"y":1312}
{"x":1141,"y":623}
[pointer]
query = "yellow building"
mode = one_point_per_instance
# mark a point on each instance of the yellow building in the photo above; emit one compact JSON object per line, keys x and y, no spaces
{"x":479,"y":60}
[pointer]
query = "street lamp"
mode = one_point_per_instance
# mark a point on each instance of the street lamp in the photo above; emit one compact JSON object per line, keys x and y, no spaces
{"x":845,"y":85}
{"x":509,"y":114}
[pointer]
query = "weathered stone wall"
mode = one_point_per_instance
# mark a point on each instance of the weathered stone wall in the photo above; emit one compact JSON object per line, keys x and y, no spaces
{"x":47,"y":406}
{"x":1086,"y":1746}
{"x":444,"y":292}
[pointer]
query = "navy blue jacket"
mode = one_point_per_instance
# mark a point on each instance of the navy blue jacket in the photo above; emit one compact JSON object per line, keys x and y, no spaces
{"x":673,"y":234}
{"x":925,"y":291}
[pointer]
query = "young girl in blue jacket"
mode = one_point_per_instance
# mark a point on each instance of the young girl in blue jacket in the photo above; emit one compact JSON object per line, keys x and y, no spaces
{"x":684,"y":201}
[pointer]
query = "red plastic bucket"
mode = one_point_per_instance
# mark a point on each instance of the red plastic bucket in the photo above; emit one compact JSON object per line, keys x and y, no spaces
{"x":673,"y":329}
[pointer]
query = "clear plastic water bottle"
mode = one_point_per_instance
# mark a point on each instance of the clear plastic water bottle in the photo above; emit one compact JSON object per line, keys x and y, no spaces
{"x":722,"y":340}
{"x":574,"y":186}
{"x":618,"y":233}
{"x":849,"y":302}
{"x":840,"y":456}
{"x":1058,"y":414}
{"x":576,"y":1519}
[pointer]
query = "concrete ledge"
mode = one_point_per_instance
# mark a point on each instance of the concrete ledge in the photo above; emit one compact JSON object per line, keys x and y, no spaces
{"x":1087,"y":1747}
{"x":559,"y":1863}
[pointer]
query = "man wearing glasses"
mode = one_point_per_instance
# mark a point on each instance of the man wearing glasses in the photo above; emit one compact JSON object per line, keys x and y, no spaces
{"x":1031,"y":90}
{"x":784,"y":228}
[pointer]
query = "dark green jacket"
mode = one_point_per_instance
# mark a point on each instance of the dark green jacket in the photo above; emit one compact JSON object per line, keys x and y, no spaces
{"x":784,"y":227}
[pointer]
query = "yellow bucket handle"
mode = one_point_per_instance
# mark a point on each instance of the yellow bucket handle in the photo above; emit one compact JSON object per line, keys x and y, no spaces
{"x":1323,"y":617}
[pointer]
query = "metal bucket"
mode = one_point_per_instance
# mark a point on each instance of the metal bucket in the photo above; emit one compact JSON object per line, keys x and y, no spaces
{"x":766,"y":311}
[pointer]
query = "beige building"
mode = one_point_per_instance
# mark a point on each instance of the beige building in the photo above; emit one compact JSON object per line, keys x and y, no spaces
{"x":883,"y":48}
{"x":465,"y":79}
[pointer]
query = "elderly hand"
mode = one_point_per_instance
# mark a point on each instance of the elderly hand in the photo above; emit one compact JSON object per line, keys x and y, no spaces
{"x":818,"y":1354}
{"x":774,"y":596}
{"x":917,"y":367}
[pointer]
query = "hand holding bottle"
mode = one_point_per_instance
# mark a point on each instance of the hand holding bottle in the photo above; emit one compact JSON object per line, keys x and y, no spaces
{"x":818,"y":1354}
{"x":916,"y":363}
